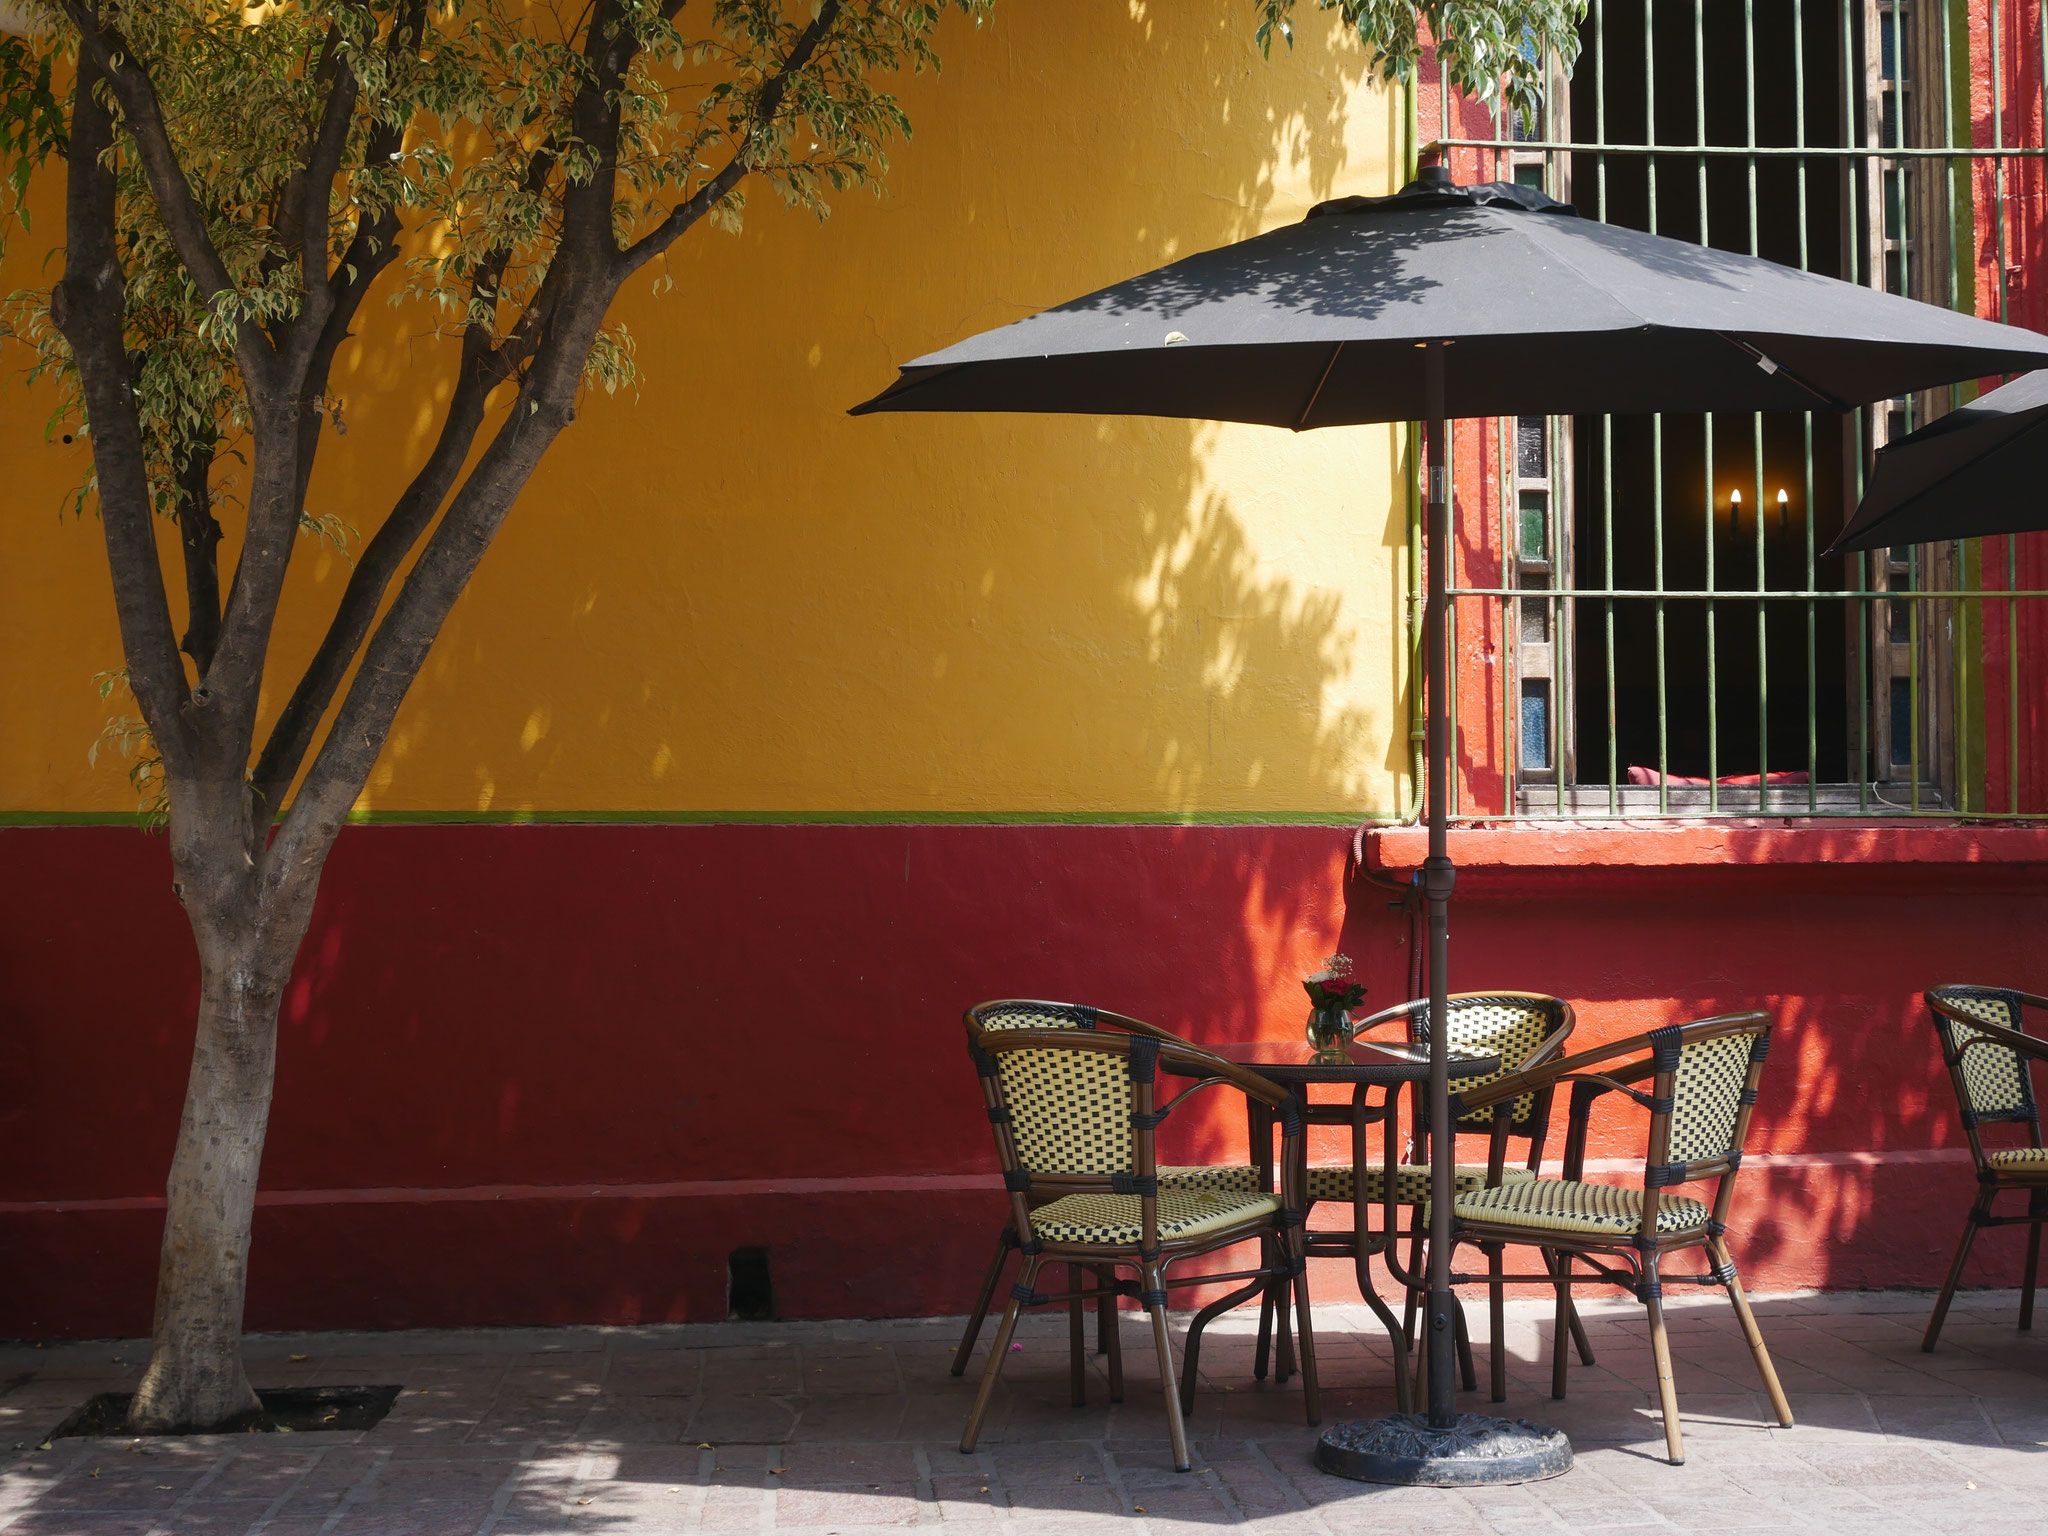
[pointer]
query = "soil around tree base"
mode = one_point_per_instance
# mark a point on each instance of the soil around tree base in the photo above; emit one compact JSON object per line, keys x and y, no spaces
{"x":285,"y":1410}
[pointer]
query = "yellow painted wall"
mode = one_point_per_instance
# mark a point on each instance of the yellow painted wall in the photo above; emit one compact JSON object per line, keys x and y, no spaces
{"x":727,"y":596}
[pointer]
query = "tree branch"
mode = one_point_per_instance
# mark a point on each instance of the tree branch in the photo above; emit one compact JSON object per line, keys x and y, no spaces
{"x":305,"y":219}
{"x":736,"y":170}
{"x":481,"y":369}
{"x":89,"y":305}
{"x":199,"y":536}
{"x":142,"y":116}
{"x":392,"y":660}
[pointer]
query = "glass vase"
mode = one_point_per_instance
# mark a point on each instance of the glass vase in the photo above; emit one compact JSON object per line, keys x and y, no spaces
{"x":1329,"y":1031}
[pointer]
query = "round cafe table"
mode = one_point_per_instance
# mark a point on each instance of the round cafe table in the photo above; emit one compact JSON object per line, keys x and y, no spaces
{"x":1375,"y":1072}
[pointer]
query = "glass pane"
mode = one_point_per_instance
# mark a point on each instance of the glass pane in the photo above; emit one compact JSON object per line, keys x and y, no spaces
{"x":1529,"y":176}
{"x":1532,"y":448}
{"x":1535,"y":621}
{"x":1902,"y":721}
{"x":1535,"y":522}
{"x":1536,"y":722}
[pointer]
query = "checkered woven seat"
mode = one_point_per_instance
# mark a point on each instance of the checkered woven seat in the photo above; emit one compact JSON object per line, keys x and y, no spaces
{"x":2019,"y":1159}
{"x":1114,"y":1219}
{"x":1563,"y":1205}
{"x":1411,"y":1182}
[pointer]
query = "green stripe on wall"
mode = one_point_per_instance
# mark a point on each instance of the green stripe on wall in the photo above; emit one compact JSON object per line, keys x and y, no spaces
{"x":775,"y":818}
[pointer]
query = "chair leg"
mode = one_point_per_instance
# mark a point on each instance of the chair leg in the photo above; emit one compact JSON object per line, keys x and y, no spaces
{"x":988,"y":1290}
{"x":1660,"y":1347}
{"x":2036,"y":1213}
{"x":1105,"y":1310}
{"x":1468,"y":1374}
{"x":1560,"y":1265}
{"x":1311,"y":1392}
{"x":1585,"y":1345}
{"x":1978,"y":1210}
{"x":1151,"y":1281}
{"x":1111,"y":1340}
{"x":1496,"y":1308}
{"x":1264,"y":1351}
{"x":1077,"y":1337}
{"x":997,"y":1353}
{"x":1283,"y":1340}
{"x":1718,"y":1248}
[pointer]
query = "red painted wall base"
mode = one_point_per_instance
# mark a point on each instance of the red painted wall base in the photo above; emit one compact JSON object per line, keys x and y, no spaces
{"x":557,"y":1074}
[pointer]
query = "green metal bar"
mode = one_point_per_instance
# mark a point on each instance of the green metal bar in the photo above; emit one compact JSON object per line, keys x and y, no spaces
{"x":1852,"y":169}
{"x":1961,"y":665}
{"x":1756,"y":421}
{"x":2012,"y":673}
{"x":1998,"y":143}
{"x":1511,"y":638}
{"x":1763,"y":671}
{"x":1806,"y":423}
{"x":1900,"y":198}
{"x":1607,"y":422}
{"x":1561,"y":656}
{"x":1898,"y":206}
{"x":1504,"y":483}
{"x":1699,"y":100}
{"x":1607,"y":551}
{"x":1418,"y":714}
{"x":1448,"y":555}
{"x":1913,"y":676}
{"x":1657,"y":551}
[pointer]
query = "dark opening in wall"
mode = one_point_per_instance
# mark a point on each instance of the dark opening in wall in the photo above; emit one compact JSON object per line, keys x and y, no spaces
{"x":749,"y":1293}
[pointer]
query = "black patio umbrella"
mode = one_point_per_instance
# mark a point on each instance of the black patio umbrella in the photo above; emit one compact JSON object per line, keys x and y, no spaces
{"x":1443,"y":301}
{"x":1981,"y":469}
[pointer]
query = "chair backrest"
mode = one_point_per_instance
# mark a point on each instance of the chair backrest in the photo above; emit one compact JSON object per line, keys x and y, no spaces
{"x":1075,"y":1110}
{"x":1702,"y":1094}
{"x":1990,"y":1078}
{"x":1521,"y":1028}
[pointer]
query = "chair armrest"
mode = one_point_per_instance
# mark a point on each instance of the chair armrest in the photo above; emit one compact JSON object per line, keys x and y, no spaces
{"x":1514,"y":1084}
{"x":1184,"y":1060}
{"x":2034,"y":1046}
{"x":1398,"y":1014}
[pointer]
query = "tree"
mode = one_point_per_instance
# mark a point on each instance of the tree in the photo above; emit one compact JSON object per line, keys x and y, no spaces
{"x":238,"y":182}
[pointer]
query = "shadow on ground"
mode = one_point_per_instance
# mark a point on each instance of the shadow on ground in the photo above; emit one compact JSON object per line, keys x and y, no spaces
{"x":853,"y":1426}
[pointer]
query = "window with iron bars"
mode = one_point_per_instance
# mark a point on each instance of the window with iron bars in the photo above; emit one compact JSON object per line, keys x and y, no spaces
{"x":1661,"y":634}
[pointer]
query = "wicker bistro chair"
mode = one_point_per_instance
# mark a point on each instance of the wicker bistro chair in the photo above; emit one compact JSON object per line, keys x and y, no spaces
{"x":1703,"y":1079}
{"x":1988,"y":1053}
{"x":1524,"y":1029}
{"x":1075,"y":1117}
{"x":1029,"y":1013}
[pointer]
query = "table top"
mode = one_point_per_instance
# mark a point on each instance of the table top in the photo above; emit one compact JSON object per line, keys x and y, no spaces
{"x":1294,"y":1061}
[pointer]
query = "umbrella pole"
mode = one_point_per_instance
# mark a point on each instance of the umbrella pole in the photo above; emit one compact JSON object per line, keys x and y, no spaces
{"x":1441,"y":1448}
{"x":1438,"y":878}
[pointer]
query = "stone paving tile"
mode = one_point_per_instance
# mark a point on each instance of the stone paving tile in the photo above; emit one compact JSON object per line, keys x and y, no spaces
{"x":853,"y":1427}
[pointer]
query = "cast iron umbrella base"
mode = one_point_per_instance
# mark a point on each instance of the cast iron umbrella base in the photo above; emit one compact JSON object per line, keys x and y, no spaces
{"x":1475,"y":1450}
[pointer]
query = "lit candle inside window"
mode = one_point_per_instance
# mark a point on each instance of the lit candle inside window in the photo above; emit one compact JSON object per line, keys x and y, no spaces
{"x":1734,"y":510}
{"x":1781,"y":511}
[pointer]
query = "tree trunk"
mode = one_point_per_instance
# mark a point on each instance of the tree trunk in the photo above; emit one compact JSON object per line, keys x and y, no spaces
{"x":195,"y":1380}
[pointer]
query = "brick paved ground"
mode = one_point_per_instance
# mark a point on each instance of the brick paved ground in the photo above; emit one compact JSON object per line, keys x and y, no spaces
{"x":853,"y":1427}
